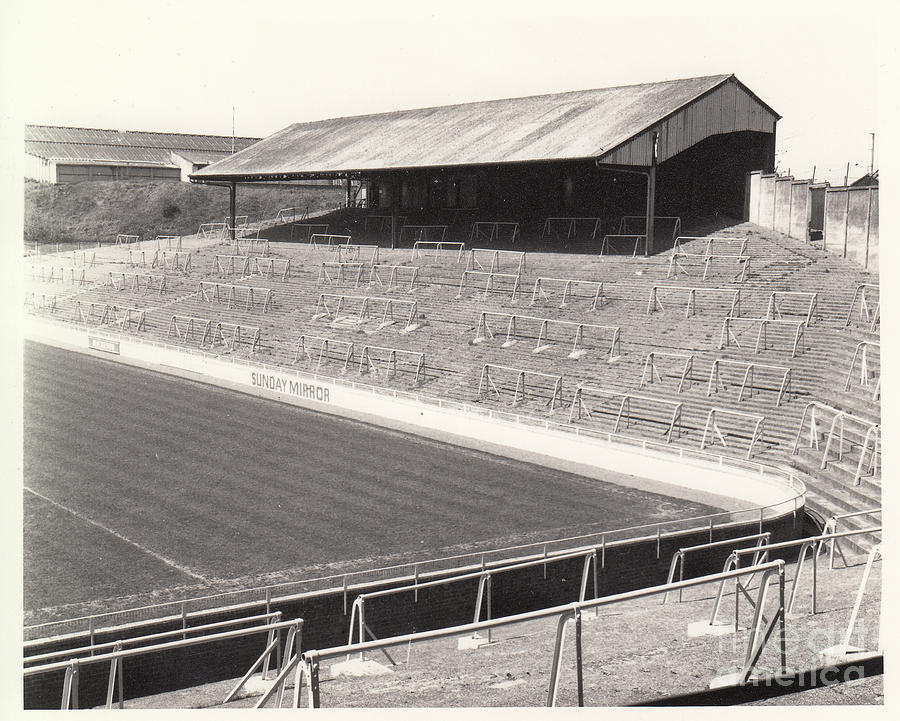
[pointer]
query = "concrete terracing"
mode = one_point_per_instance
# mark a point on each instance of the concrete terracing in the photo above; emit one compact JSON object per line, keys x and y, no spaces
{"x":453,"y":364}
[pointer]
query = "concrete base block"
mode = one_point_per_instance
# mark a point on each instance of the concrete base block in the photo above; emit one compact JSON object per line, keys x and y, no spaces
{"x":703,"y":628}
{"x":838,"y":653}
{"x":257,"y":686}
{"x":467,"y":643}
{"x":355,"y":668}
{"x":728,"y":679}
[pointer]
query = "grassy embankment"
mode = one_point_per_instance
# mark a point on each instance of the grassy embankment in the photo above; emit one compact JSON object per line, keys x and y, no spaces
{"x":97,"y":211}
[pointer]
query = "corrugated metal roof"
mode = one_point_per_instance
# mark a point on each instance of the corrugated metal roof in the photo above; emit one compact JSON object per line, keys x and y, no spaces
{"x":99,"y":153}
{"x":580,"y":124}
{"x":95,"y":144}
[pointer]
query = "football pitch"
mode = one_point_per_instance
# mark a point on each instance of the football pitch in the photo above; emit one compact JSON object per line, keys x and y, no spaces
{"x":136,"y":483}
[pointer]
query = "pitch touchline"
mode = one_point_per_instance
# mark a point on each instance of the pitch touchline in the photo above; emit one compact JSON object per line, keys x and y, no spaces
{"x":155,"y":555}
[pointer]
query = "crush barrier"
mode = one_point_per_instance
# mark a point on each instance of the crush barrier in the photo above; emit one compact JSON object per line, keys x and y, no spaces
{"x":52,"y":274}
{"x":638,"y":224}
{"x":212,"y":231}
{"x":729,"y":337}
{"x":500,"y":283}
{"x":290,"y":215}
{"x":527,"y":383}
{"x":651,"y":373}
{"x":494,"y":230}
{"x":867,"y":304}
{"x":250,"y":297}
{"x":676,"y":264}
{"x":779,"y":305}
{"x":716,"y":383}
{"x":868,"y":353}
{"x":671,"y":417}
{"x":654,"y":304}
{"x":476,"y":260}
{"x":836,"y":438}
{"x":168,"y":242}
{"x":613,"y":243}
{"x":711,"y":428}
{"x":331,"y":306}
{"x":397,"y":275}
{"x":383,"y":223}
{"x":568,"y":227}
{"x":40,"y":303}
{"x":135,"y":282}
{"x":543,"y":290}
{"x":208,"y":332}
{"x":340,"y":273}
{"x":360,"y":628}
{"x":713,"y":243}
{"x":250,"y":246}
{"x":421,"y":250}
{"x":170,"y":260}
{"x":306,"y":345}
{"x":352,"y":252}
{"x":131,"y":320}
{"x":515,"y":332}
{"x":377,"y":360}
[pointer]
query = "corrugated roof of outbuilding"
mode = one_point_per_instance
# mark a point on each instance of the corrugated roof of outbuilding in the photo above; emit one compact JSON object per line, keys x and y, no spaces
{"x":561,"y":126}
{"x":54,"y":142}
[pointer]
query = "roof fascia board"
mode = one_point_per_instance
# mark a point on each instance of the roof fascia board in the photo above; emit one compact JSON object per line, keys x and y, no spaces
{"x":356,"y":172}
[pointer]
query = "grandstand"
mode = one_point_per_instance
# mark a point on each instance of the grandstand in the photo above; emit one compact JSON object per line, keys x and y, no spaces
{"x":754,"y":363}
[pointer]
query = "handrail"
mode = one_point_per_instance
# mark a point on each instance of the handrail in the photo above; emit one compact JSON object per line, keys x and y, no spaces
{"x":813,"y":543}
{"x":679,"y":555}
{"x":117,"y":657}
{"x":759,"y":636}
{"x":270,"y":616}
{"x":831,"y":527}
{"x":168,"y":646}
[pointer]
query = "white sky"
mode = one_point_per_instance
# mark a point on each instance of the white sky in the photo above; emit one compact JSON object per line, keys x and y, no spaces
{"x":181,"y":66}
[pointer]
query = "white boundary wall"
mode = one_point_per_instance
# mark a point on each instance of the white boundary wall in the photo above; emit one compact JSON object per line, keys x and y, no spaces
{"x":316,"y":392}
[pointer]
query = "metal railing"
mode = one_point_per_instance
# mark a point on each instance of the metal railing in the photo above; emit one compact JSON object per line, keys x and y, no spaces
{"x":761,"y":630}
{"x":679,"y":555}
{"x":483,"y":592}
{"x":761,"y":554}
{"x":831,"y":526}
{"x":116,"y":658}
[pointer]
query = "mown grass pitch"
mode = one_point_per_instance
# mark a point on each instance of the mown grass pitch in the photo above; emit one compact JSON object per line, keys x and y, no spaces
{"x":137,"y":482}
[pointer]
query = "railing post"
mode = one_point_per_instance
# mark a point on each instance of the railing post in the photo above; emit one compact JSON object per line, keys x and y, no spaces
{"x":579,"y":660}
{"x":556,"y":662}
